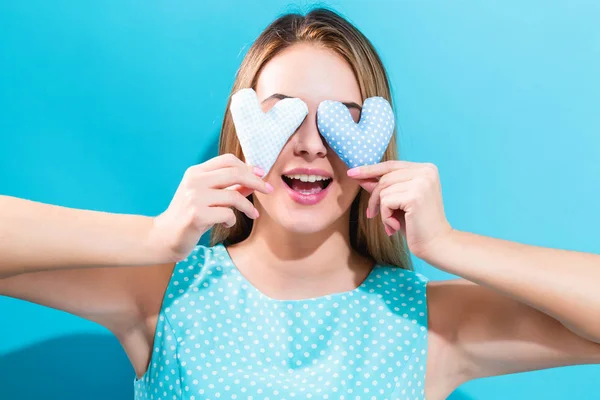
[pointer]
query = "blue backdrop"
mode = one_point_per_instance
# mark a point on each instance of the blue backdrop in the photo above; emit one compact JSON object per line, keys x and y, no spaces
{"x":103,"y":105}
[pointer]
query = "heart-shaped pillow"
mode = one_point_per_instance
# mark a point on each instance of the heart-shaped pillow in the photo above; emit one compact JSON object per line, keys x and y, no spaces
{"x":263,"y":135}
{"x":357,"y":144}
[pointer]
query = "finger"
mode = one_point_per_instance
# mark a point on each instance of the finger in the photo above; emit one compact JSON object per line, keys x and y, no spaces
{"x":375,"y":170}
{"x":393,"y":223}
{"x":389,"y":231}
{"x":232,"y":198}
{"x":390,"y":228}
{"x":222,"y":215}
{"x":391,"y":204}
{"x":226,"y":177}
{"x":368,"y":184}
{"x":244,"y":191}
{"x":373,"y":204}
{"x":221,"y":161}
{"x":397,"y":222}
{"x":402,"y":223}
{"x":391,"y":183}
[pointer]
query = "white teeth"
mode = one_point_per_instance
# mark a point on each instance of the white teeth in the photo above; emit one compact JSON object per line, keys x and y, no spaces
{"x":307,"y":178}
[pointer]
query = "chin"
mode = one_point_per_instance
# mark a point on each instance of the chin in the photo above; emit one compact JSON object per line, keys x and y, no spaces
{"x":306,"y":221}
{"x":304,"y":227}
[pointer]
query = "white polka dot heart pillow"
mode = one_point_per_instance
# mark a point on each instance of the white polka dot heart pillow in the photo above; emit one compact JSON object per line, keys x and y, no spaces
{"x":262,"y":135}
{"x":357,"y":144}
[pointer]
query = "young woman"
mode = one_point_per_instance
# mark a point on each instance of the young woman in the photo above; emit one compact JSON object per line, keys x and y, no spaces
{"x":305,"y":296}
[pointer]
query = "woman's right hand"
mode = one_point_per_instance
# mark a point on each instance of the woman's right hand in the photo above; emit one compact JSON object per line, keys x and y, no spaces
{"x":205,"y":197}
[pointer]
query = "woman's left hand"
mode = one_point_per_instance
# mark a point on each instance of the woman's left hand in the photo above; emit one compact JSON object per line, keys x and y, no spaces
{"x":409,"y":197}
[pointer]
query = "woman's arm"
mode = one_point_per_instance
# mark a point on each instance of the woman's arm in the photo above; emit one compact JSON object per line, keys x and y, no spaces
{"x":38,"y":237}
{"x":560,"y":283}
{"x":64,"y":258}
{"x":523,"y":307}
{"x":476,"y":332}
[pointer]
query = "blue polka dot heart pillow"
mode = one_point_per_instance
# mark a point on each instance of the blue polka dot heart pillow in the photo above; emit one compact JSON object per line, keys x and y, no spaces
{"x":357,"y":144}
{"x":263,"y":135}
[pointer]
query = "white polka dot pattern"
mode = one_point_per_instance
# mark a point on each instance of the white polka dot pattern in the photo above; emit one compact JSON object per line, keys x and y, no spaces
{"x":263,"y":135}
{"x":357,"y":144}
{"x":218,"y":337}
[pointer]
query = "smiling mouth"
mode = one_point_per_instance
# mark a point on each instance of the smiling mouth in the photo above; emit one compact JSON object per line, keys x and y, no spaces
{"x":306,"y":184}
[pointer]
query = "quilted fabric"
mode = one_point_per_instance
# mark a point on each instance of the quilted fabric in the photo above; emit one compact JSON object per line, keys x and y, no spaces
{"x":263,"y":135}
{"x":357,"y":144}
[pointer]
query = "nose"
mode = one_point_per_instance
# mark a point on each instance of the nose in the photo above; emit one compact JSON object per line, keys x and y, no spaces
{"x":308,"y":142}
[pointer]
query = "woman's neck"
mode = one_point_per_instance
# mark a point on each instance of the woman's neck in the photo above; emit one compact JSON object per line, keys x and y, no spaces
{"x":288,"y":265}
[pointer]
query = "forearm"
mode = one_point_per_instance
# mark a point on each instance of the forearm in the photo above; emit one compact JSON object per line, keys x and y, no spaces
{"x":563,"y":284}
{"x":36,"y":236}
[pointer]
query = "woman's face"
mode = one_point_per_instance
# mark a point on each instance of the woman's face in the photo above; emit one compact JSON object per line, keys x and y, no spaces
{"x":312,"y":74}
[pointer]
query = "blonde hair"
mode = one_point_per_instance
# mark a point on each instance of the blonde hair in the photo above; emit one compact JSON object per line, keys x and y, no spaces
{"x":325,"y":28}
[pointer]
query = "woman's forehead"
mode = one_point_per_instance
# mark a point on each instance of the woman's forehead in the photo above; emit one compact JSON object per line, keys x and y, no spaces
{"x":308,"y":72}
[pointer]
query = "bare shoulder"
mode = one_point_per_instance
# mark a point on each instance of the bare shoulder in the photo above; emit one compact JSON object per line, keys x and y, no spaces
{"x":457,"y":309}
{"x":444,"y":371}
{"x":138,"y":343}
{"x":125,"y":300}
{"x":477,"y":332}
{"x":151,"y":295}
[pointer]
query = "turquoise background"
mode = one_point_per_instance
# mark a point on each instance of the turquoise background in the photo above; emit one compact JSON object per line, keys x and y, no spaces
{"x":103,"y":105}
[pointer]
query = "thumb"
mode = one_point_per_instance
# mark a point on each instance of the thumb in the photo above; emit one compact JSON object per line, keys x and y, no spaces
{"x":368,"y":184}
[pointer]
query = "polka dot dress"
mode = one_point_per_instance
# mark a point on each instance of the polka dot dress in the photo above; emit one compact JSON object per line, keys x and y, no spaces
{"x":218,"y":337}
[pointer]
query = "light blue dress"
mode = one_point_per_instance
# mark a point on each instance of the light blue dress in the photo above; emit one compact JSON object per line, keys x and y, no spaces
{"x":218,"y":337}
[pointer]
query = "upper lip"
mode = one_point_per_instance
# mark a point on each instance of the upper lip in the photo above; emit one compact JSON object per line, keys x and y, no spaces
{"x":308,"y":171}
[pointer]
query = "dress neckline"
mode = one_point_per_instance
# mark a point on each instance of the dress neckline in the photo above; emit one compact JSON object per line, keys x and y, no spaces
{"x":354,"y":292}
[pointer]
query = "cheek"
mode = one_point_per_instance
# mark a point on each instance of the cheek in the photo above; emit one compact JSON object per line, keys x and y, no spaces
{"x":349,"y":186}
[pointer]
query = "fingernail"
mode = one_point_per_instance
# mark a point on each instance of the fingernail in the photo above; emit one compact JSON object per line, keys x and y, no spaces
{"x":368,"y":213}
{"x":258,"y":171}
{"x":353,"y":171}
{"x":269,"y":187}
{"x":388,"y":231}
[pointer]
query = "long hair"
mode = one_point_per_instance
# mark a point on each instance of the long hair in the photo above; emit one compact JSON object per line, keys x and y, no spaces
{"x":325,"y":28}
